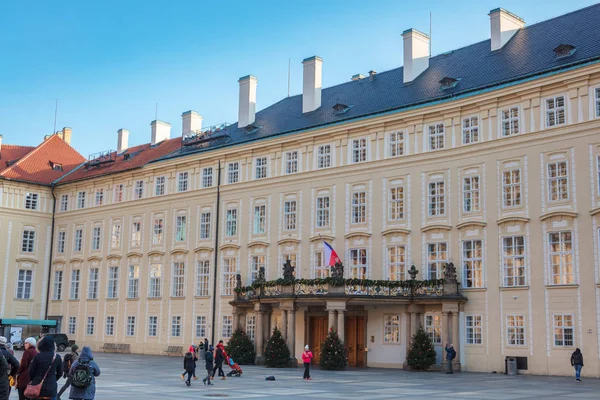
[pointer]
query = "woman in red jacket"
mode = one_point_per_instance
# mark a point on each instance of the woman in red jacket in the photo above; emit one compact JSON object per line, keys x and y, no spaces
{"x":23,"y":373}
{"x":307,"y":356}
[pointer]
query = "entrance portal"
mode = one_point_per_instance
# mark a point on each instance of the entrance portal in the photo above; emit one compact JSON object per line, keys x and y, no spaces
{"x":355,"y":341}
{"x":318,"y":333}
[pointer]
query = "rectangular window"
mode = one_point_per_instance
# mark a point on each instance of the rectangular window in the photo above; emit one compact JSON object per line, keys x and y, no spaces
{"x":396,"y":263}
{"x":153,"y":326}
{"x":258,"y":262}
{"x":261,"y":168}
{"x":231,"y":226}
{"x":28,"y":241}
{"x":597,"y":100}
{"x":598,"y":173}
{"x":99,"y":197}
{"x":513,"y":260}
{"x":563,"y":330}
{"x":433,"y":327}
{"x":471,"y":194}
{"x":207,"y":177}
{"x":322,"y":211}
{"x":359,"y":208}
{"x":396,"y":203}
{"x":202,"y":277}
{"x":113,"y":283}
{"x":110,"y":326}
{"x":561,"y":257}
{"x":75,"y":275}
{"x":136,"y":234}
{"x":138,"y":190}
{"x":558,"y":181}
{"x":130,"y":326}
{"x":93,"y":284}
{"x":511,"y":188}
{"x":155,"y":285}
{"x":473,"y":329}
{"x":396,"y":144}
{"x":227,"y":326}
{"x":115,"y":241}
{"x":437,"y":199}
{"x":200,"y":326}
{"x":72,"y":325}
{"x":205,"y":220}
{"x":90,"y":326}
{"x":178,"y":289}
{"x":96,"y":235}
{"x":260,"y":219}
{"x":515,"y":330}
{"x":435,"y":135}
{"x":233,"y":172}
{"x":31,"y":201}
{"x":472,"y":260}
{"x":60,"y":243}
{"x":180,"y":228}
{"x":509,"y":119}
{"x":321,"y":270}
{"x":358,"y":263}
{"x":119,"y":190}
{"x":58,"y":280}
{"x":289,"y":215}
{"x":160,"y":186}
{"x":437,"y":257}
{"x":176,"y":326}
{"x":324,"y":156}
{"x":470,"y":130}
{"x":291,"y":162}
{"x":133,"y":282}
{"x":555,"y":111}
{"x":359,"y":150}
{"x":78,"y":244}
{"x":251,"y":326}
{"x":391,"y":329}
{"x":64,"y":202}
{"x":81,"y":200}
{"x":182,"y":181}
{"x":24,"y":282}
{"x":229,"y":273}
{"x":158,"y":231}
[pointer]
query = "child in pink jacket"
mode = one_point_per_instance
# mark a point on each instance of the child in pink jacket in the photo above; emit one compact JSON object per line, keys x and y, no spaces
{"x":307,"y":356}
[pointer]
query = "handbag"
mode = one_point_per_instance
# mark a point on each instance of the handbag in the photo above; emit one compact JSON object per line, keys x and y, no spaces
{"x":33,"y":391}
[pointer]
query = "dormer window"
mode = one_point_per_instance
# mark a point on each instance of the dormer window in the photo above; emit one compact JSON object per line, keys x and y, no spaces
{"x":252,"y":128}
{"x":564,"y":50}
{"x":340,"y":108}
{"x":448,"y":83}
{"x":56,"y":166}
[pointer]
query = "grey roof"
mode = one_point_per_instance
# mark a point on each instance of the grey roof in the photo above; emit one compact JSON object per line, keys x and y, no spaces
{"x":527,"y":54}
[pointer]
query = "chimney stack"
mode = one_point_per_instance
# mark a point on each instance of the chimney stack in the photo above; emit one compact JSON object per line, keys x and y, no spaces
{"x":312,"y":82}
{"x":503,"y":26}
{"x":66,"y":134}
{"x":191,"y":122}
{"x":416,"y":54}
{"x":160,"y":131}
{"x":247,"y":104}
{"x":123,"y":141}
{"x":372,"y":74}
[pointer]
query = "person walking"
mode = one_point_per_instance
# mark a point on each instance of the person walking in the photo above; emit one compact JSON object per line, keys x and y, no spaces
{"x":577,"y":363}
{"x":307,"y":356}
{"x":219,"y":358}
{"x":189,"y":365}
{"x":68,"y":362}
{"x":29,"y":354}
{"x":46,"y":368}
{"x":11,"y":360}
{"x":450,"y":355}
{"x":4,"y":370}
{"x":83,"y":375}
{"x":208,"y":364}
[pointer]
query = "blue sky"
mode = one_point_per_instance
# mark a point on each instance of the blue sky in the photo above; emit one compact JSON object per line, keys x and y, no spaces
{"x":108,"y":63}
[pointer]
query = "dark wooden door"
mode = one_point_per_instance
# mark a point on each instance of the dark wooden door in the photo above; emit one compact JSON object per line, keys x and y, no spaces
{"x":318,"y":333}
{"x":355,"y":341}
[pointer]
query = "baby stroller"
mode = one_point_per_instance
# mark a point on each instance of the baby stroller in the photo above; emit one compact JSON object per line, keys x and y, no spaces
{"x":235,"y":368}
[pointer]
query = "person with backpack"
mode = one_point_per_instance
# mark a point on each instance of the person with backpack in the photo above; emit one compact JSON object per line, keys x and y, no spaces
{"x":189,"y":365}
{"x":83,"y":375}
{"x":68,"y":362}
{"x":23,"y":374}
{"x":450,"y":355}
{"x":577,"y":363}
{"x":208,"y":363}
{"x":11,"y":360}
{"x":191,"y":350}
{"x":45,"y":369}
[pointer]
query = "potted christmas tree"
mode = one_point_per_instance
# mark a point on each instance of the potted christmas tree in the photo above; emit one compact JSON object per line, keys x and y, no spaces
{"x":333,"y":353}
{"x":241,"y":348}
{"x":421,"y":354}
{"x":277,"y":354}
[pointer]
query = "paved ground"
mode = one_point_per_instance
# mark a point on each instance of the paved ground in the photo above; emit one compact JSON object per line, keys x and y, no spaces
{"x":152,"y":378}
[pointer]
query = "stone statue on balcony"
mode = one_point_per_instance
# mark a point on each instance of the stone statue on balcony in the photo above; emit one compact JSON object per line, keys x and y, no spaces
{"x":288,"y":270}
{"x":337,"y":270}
{"x":413,"y":272}
{"x":238,"y":281}
{"x":261,"y":274}
{"x":450,"y":272}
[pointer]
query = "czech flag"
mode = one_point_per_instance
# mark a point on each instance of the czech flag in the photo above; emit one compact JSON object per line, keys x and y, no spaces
{"x":331,"y":256}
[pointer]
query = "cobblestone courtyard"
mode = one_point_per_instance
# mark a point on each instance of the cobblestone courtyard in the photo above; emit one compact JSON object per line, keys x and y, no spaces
{"x":152,"y":378}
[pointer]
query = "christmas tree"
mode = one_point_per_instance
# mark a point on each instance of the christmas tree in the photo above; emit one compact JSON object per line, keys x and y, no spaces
{"x":241,"y":348}
{"x":333,"y":353}
{"x":277,"y":353}
{"x":421,"y":354}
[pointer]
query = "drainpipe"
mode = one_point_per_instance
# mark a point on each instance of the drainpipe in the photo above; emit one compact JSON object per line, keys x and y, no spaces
{"x":216,"y":261}
{"x":51,"y":250}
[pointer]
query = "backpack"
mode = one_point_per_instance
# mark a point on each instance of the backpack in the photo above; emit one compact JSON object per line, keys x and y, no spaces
{"x":67,"y":361}
{"x":82,"y":376}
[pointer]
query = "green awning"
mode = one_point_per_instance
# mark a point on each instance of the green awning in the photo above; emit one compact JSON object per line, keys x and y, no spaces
{"x":38,"y":322}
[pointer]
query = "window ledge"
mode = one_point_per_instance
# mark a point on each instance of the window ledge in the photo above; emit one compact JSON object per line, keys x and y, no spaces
{"x":177,"y":298}
{"x":26,"y":300}
{"x":132,"y":298}
{"x":112,"y":299}
{"x":153,"y":298}
{"x":202,"y":297}
{"x":74,"y":300}
{"x":477,"y":289}
{"x":507,"y":288}
{"x":571,"y":286}
{"x":92,"y":299}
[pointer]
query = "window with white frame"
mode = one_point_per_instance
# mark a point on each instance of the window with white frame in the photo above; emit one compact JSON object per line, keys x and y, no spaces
{"x":560,"y":253}
{"x":359,"y":150}
{"x":322,"y":211}
{"x":182,"y":181}
{"x":470,"y":130}
{"x":396,"y":203}
{"x":119,"y":190}
{"x":64,"y":202}
{"x":437,"y":257}
{"x":175,"y":326}
{"x":28,"y":241}
{"x":292,"y":257}
{"x":511,"y":188}
{"x":202,"y":277}
{"x":91,"y":322}
{"x":57,"y":288}
{"x":472,"y":260}
{"x":226,"y":326}
{"x":229,"y":273}
{"x":509,"y":120}
{"x":437,"y":198}
{"x":78,"y":243}
{"x":563,"y":330}
{"x":433,"y":327}
{"x":138,"y":190}
{"x":200,"y":326}
{"x":60,"y":242}
{"x":260,"y":219}
{"x":133,"y":282}
{"x":178,"y":289}
{"x":515,"y":330}
{"x":260,"y":170}
{"x":72,"y":325}
{"x":75,"y":279}
{"x":396,"y":263}
{"x":31,"y":201}
{"x":289,"y":215}
{"x":358,"y":264}
{"x":99,"y":197}
{"x":93,"y":284}
{"x":130,"y":326}
{"x":291,"y":162}
{"x":435,"y":136}
{"x":113,"y":283}
{"x":110,"y":326}
{"x":251,"y":326}
{"x":207,"y":177}
{"x":321,"y":270}
{"x":180,"y":228}
{"x":558,"y":181}
{"x":205,"y":219}
{"x":160,"y":185}
{"x":158,"y":231}
{"x":155,"y":284}
{"x":153,"y":326}
{"x":231,"y":224}
{"x":555,"y":111}
{"x":81,"y":200}
{"x":324,"y":156}
{"x":471,"y":194}
{"x":513,"y":260}
{"x":597,"y":101}
{"x":396,"y":144}
{"x":359,"y":207}
{"x":473,"y":329}
{"x":233,"y":172}
{"x":96,"y":235}
{"x":115,"y":241}
{"x":391,"y":329}
{"x":258,"y":262}
{"x":598,"y":173}
{"x":136,"y":233}
{"x":24,"y":282}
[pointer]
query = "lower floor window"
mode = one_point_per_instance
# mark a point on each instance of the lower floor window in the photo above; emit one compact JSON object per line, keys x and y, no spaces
{"x":200,"y":326}
{"x":176,"y":326}
{"x":474,"y":329}
{"x":227,"y":326}
{"x":152,"y":325}
{"x":563,"y":330}
{"x":250,"y":325}
{"x":90,"y":325}
{"x":130,"y":326}
{"x":391,"y":329}
{"x":72,"y":325}
{"x":433,"y":327}
{"x":515,"y":330}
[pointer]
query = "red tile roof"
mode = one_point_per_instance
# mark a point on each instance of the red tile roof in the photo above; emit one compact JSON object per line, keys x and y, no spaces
{"x":10,"y":153}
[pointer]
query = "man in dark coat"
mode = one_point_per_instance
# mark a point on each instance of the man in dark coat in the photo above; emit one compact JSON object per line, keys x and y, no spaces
{"x":12,"y":361}
{"x":577,"y":363}
{"x":3,"y":378}
{"x":209,"y":366}
{"x":219,"y":358}
{"x":46,"y":360}
{"x":450,"y":355}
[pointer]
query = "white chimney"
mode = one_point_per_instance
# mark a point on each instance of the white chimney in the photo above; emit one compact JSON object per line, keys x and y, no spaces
{"x":191,"y":122}
{"x":416,"y":54}
{"x":160,"y":131}
{"x":312,"y":82}
{"x":503,"y":26}
{"x":247,"y":105}
{"x":123,"y":140}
